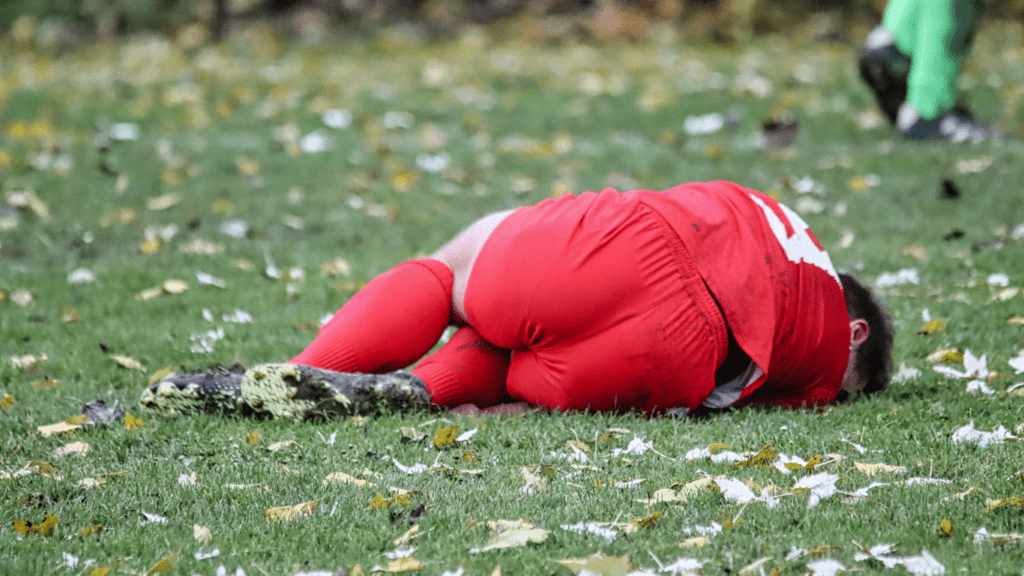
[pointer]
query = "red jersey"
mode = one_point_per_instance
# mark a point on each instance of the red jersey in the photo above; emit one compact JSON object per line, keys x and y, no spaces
{"x":777,"y":288}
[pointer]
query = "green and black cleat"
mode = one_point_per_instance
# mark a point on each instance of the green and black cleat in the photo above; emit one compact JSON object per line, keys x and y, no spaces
{"x":302,"y":392}
{"x":213,"y":392}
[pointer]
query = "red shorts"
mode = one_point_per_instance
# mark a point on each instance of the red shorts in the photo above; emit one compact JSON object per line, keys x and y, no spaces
{"x":601,"y":305}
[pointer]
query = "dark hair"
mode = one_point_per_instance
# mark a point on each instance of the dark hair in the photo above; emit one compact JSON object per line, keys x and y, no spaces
{"x":874,"y":356}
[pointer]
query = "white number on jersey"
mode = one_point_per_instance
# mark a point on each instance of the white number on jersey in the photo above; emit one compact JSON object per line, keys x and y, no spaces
{"x":800,"y":247}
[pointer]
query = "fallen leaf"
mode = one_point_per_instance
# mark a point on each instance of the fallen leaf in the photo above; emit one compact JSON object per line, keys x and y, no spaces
{"x":445,"y":437}
{"x":44,"y":528}
{"x":58,"y":428}
{"x":946,"y":528}
{"x":535,"y":484}
{"x":400,"y":565}
{"x":165,"y":564}
{"x":760,"y":460}
{"x":253,"y":438}
{"x":511,"y":534}
{"x":993,"y":504}
{"x":287,"y":513}
{"x":872,"y":469}
{"x":280,"y":445}
{"x":936,"y":326}
{"x":79,"y":448}
{"x":342,"y":478}
{"x":128,"y":362}
{"x":131,"y":422}
{"x":202,"y":533}
{"x":89,"y":531}
{"x":600,"y":564}
{"x":7,"y":401}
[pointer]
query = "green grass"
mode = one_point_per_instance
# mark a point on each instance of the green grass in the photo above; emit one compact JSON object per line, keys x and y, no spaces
{"x":518,"y":123}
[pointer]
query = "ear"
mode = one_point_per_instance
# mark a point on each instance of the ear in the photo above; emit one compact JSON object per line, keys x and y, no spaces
{"x":858,"y":332}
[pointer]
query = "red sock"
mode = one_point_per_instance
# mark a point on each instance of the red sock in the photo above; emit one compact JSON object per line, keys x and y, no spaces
{"x":389,"y":324}
{"x":466,"y":370}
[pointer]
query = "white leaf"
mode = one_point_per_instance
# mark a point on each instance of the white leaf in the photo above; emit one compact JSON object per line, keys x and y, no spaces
{"x":975,"y":366}
{"x":906,"y":375}
{"x":81,"y":276}
{"x":926,"y":481}
{"x":780,"y":465}
{"x":863,"y":492}
{"x":726,"y":456}
{"x":998,"y":279}
{"x":210,"y":280}
{"x":187,"y":479}
{"x":969,"y":434}
{"x":414,"y":469}
{"x":827,"y":567}
{"x":636,"y":447}
{"x":736,"y":491}
{"x":154,"y":518}
{"x":904,"y":276}
{"x":70,"y":560}
{"x":821,"y":485}
{"x":950,"y":371}
{"x":466,"y":435}
{"x":590,"y":527}
{"x":707,"y":531}
{"x":924,"y":565}
{"x":1017,"y":364}
{"x":696,"y":453}
{"x":980,"y":387}
{"x":207,"y":555}
{"x":794,"y":554}
{"x":400,"y":553}
{"x":684,"y":566}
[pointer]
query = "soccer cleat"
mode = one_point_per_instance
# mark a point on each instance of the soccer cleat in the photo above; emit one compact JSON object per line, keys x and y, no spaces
{"x":301,"y":392}
{"x":885,"y":69}
{"x":206,"y":392}
{"x":955,"y":126}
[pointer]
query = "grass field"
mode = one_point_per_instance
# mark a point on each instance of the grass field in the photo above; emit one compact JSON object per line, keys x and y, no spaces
{"x":166,"y":207}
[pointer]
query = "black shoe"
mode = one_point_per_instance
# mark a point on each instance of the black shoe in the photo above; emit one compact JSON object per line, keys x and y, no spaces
{"x":955,"y":126}
{"x":885,"y":70}
{"x":302,"y":392}
{"x":215,"y":392}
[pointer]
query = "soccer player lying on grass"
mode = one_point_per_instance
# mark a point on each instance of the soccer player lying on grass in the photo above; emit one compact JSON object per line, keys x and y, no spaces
{"x":703,"y":296}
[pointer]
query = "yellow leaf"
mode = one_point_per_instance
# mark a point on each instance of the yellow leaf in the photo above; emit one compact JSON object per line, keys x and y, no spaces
{"x":150,"y":247}
{"x":164,"y":565}
{"x":378,"y":502}
{"x":7,"y":401}
{"x":163,"y":202}
{"x":44,"y":384}
{"x":946,"y":355}
{"x":44,"y":528}
{"x":445,"y":436}
{"x":695,"y":541}
{"x":509,"y":534}
{"x":404,"y":180}
{"x":342,"y":478}
{"x":717,"y":446}
{"x":76,"y":420}
{"x":760,"y":460}
{"x":89,"y":531}
{"x":173,"y":286}
{"x":101,"y":571}
{"x":286,"y":513}
{"x":58,"y":428}
{"x":647,"y":522}
{"x":149,"y":294}
{"x":1018,"y":320}
{"x":946,"y":528}
{"x":131,"y":422}
{"x":469,"y":456}
{"x":253,"y":438}
{"x":936,"y":326}
{"x":128,"y":362}
{"x":408,"y":536}
{"x":600,"y":564}
{"x":663,"y":495}
{"x":872,"y":469}
{"x":993,"y":504}
{"x":582,"y":446}
{"x":406,"y":564}
{"x":161,"y":374}
{"x":755,"y":567}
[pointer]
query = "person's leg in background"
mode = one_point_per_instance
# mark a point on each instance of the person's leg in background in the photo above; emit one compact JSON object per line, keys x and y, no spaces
{"x":912,"y":62}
